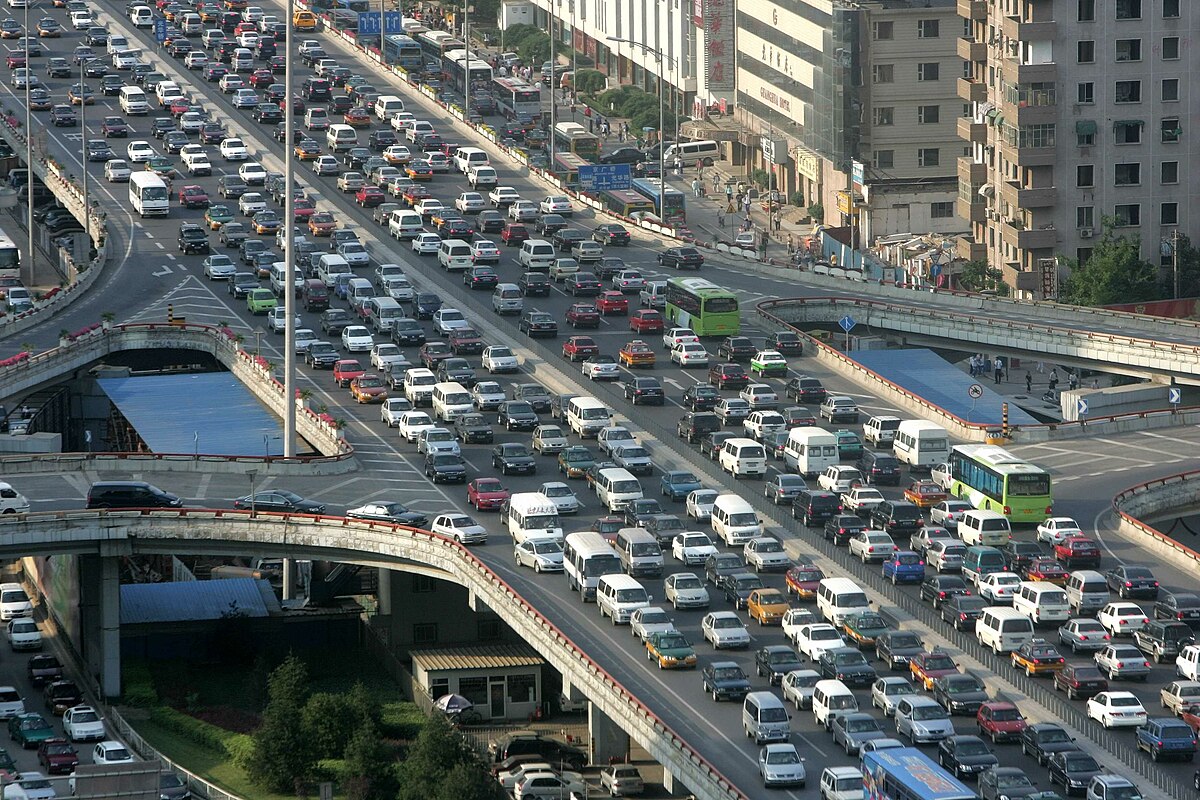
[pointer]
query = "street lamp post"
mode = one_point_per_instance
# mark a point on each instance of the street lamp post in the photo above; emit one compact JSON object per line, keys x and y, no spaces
{"x":659,"y":57}
{"x":550,"y":83}
{"x":28,"y":150}
{"x":289,"y":243}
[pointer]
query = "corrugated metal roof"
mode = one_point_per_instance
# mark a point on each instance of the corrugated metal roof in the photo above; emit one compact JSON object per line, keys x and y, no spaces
{"x":478,"y":657}
{"x":196,"y":600}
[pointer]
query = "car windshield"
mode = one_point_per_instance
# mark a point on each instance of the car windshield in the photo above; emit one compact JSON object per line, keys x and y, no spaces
{"x":782,"y":757}
{"x":929,"y":712}
{"x":861,"y":725}
{"x":728,"y":673}
{"x":727,"y":622}
{"x":1010,"y":781}
{"x":1124,"y":702}
{"x":823,"y":634}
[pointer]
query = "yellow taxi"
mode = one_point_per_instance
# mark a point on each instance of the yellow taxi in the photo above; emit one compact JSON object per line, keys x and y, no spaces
{"x":1037,"y":657}
{"x":636,"y":354}
{"x":767,"y":606}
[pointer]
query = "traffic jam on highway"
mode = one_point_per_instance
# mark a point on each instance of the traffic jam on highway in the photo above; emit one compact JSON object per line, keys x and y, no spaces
{"x":496,"y":339}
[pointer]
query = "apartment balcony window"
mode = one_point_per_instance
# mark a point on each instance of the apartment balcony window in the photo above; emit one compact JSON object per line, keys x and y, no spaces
{"x":1085,"y":93}
{"x":882,"y":31}
{"x":1129,"y":9}
{"x":1128,"y":92}
{"x":1129,"y":49}
{"x":1128,"y":215}
{"x":1170,"y":9}
{"x":929,"y":157}
{"x":883,"y":116}
{"x":1169,"y":172}
{"x":1033,"y":94}
{"x":1085,"y":176}
{"x":928,"y":115}
{"x":1128,"y":131}
{"x":1129,"y":174}
{"x":1170,"y":90}
{"x":928,"y":71}
{"x":1168,"y":214}
{"x":1170,"y":48}
{"x":1029,"y":136}
{"x":1171,"y":130}
{"x":1085,"y":216}
{"x":883,"y":73}
{"x":1086,"y":51}
{"x":1087,"y":10}
{"x":927,"y":29}
{"x":1085,"y":133}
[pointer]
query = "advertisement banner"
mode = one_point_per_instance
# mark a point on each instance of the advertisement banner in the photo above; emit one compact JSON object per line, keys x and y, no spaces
{"x":717,"y":24}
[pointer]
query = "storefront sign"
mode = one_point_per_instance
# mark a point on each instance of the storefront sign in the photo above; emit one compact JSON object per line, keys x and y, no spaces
{"x":718,"y":27}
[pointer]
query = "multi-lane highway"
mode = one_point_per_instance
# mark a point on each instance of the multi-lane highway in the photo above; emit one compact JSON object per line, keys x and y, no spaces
{"x":155,"y":275}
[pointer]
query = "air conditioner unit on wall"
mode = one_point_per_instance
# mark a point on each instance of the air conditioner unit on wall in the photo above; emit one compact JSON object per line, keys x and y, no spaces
{"x":1085,"y":233}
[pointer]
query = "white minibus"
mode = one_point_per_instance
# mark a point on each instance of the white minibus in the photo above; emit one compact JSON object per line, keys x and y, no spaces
{"x":532,"y":515}
{"x":587,"y":557}
{"x":809,"y":450}
{"x":921,"y":444}
{"x":148,"y":195}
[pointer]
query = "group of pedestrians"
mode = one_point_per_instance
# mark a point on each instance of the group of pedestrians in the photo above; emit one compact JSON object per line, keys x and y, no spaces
{"x":980,"y":365}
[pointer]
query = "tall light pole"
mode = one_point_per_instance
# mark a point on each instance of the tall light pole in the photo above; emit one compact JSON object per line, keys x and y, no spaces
{"x":289,"y":243}
{"x":659,"y":57}
{"x":28,"y":150}
{"x":467,"y":65}
{"x":553,"y":102}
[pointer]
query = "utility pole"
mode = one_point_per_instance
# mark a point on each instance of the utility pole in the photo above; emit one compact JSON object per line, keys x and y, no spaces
{"x":289,"y":243}
{"x":553,"y":102}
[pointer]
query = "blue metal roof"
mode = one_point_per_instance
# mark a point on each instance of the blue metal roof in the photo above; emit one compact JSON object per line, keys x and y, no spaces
{"x":185,"y":601}
{"x":928,"y":375}
{"x":210,"y":413}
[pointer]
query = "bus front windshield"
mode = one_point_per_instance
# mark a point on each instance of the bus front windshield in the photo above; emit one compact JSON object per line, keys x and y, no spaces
{"x":541,"y":522}
{"x":599,"y":566}
{"x":154,"y":193}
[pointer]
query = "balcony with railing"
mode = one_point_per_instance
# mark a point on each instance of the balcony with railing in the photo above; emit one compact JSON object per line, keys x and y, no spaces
{"x":972,"y":91}
{"x":972,"y":9}
{"x":971,"y":50}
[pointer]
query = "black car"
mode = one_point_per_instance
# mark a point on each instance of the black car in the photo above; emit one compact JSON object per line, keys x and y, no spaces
{"x":321,"y":355}
{"x":161,"y":127}
{"x":174,"y":141}
{"x":1009,"y":783}
{"x":623,"y":155}
{"x":192,"y":238}
{"x":695,"y":425}
{"x":279,"y":500}
{"x":896,"y":648}
{"x":638,"y":511}
{"x":720,"y":566}
{"x":897,"y":517}
{"x":550,"y":224}
{"x":774,"y":661}
{"x":701,"y":397}
{"x":535,"y":394}
{"x":939,"y":588}
{"x":426,"y":305}
{"x":725,"y":680}
{"x":534,"y":284}
{"x":231,"y":186}
{"x":960,"y":695}
{"x":407,"y":332}
{"x":681,"y":258}
{"x":1019,"y":554}
{"x":517,"y":415}
{"x":98,"y":150}
{"x":513,"y":457}
{"x":63,"y":117}
{"x":61,"y":695}
{"x":1183,"y":606}
{"x":490,"y":221}
{"x":334,"y":320}
{"x":390,"y":512}
{"x":445,"y":468}
{"x":786,"y":342}
{"x":1132,"y":581}
{"x":538,"y":323}
{"x":58,"y":68}
{"x":644,"y":391}
{"x":815,"y":506}
{"x":381,"y":140}
{"x":737,"y":348}
{"x":473,"y":428}
{"x":878,"y":469}
{"x":566,"y":238}
{"x":804,"y":389}
{"x":846,"y":664}
{"x":961,"y":611}
{"x":710,"y":445}
{"x":267,"y":113}
{"x":611,"y":233}
{"x":1043,"y":739}
{"x":527,"y":742}
{"x":664,"y":528}
{"x":1074,"y":769}
{"x":738,"y":586}
{"x":42,"y":669}
{"x":965,"y":756}
{"x":841,"y":528}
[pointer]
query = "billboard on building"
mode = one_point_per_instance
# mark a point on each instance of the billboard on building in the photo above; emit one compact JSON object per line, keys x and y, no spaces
{"x":716,"y":21}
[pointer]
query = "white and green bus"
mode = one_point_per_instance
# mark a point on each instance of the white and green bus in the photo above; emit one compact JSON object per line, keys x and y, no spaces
{"x":993,"y":479}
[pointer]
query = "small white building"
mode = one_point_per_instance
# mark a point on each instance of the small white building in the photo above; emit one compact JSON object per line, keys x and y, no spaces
{"x":504,"y":681}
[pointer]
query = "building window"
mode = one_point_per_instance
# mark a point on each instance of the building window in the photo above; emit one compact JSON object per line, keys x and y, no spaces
{"x":1085,"y":176}
{"x":1170,"y":48}
{"x":1170,"y":9}
{"x":474,"y":689}
{"x":966,"y":69}
{"x":882,"y":30}
{"x":1170,"y":90}
{"x":967,"y":111}
{"x":1083,"y":254}
{"x":882,"y":73}
{"x":1169,"y":172}
{"x":1085,"y":92}
{"x":1129,"y":9}
{"x":927,"y":71}
{"x":1128,"y":215}
{"x":489,"y":629}
{"x":1086,"y":49}
{"x":928,"y":115}
{"x":1129,"y":49}
{"x":884,"y":116}
{"x":1128,"y":132}
{"x":928,"y":157}
{"x":1128,"y":92}
{"x":884,"y":159}
{"x":1129,"y":174}
{"x":439,"y":687}
{"x":1085,"y":216}
{"x":1171,"y":132}
{"x":1168,"y":214}
{"x":522,"y":688}
{"x":1084,"y":139}
{"x":423,"y":583}
{"x":425,"y":633}
{"x":1087,"y":10}
{"x":927,"y":29}
{"x":941,"y":210}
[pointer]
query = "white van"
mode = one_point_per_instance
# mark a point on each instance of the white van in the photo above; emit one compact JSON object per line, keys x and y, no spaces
{"x":832,"y":698}
{"x":148,"y":194}
{"x":133,"y":100}
{"x":639,"y":552}
{"x":706,"y":150}
{"x":387,"y":105}
{"x":1003,"y":629}
{"x":741,"y":456}
{"x":141,"y":16}
{"x":467,"y":157}
{"x":1087,"y":591}
{"x":117,"y":44}
{"x":405,"y":224}
{"x":191,"y":24}
{"x":921,"y":444}
{"x":418,"y":386}
{"x":454,"y":254}
{"x":617,"y":487}
{"x":531,"y":515}
{"x":279,"y":279}
{"x":880,"y":430}
{"x":450,"y":399}
{"x":481,"y":177}
{"x":838,"y":598}
{"x":359,"y":291}
{"x":12,"y":501}
{"x":341,"y":137}
{"x":989,"y":528}
{"x":734,"y":520}
{"x":765,"y":718}
{"x":167,"y":89}
{"x":242,"y":60}
{"x":618,"y":596}
{"x":810,"y":450}
{"x":507,"y":299}
{"x":382,"y":313}
{"x":587,"y":416}
{"x":1043,"y":602}
{"x":330,"y":265}
{"x":536,"y":255}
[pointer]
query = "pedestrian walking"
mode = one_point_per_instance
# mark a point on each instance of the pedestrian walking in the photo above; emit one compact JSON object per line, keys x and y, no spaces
{"x":1028,"y":381}
{"x":678,"y":165}
{"x":778,"y":219}
{"x":998,"y":366}
{"x":720,"y":218}
{"x":1073,"y":381}
{"x":1041,"y":368}
{"x":728,"y":191}
{"x":1095,"y":383}
{"x":696,"y":187}
{"x":1053,"y":379}
{"x":746,"y":205}
{"x":971,"y":366}
{"x":699,"y":165}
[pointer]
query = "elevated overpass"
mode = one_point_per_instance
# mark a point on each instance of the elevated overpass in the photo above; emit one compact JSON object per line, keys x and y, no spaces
{"x":105,"y":537}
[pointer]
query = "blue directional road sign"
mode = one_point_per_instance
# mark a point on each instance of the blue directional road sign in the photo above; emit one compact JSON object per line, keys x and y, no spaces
{"x":606,"y":177}
{"x":370,"y":24}
{"x":393,"y":22}
{"x":1081,"y":407}
{"x":1174,"y":396}
{"x":160,"y":30}
{"x":847,"y":322}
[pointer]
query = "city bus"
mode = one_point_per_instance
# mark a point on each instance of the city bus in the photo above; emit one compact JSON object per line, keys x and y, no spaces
{"x":456,"y":63}
{"x":566,"y":168}
{"x":905,"y":773}
{"x":587,"y":557}
{"x":435,"y":44}
{"x":10,"y":256}
{"x":991,"y":478}
{"x":675,"y":214}
{"x":625,"y":202}
{"x":701,"y":305}
{"x":404,"y":52}
{"x":517,"y":100}
{"x":571,"y":137}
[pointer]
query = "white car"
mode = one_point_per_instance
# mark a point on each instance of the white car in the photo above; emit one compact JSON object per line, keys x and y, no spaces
{"x":941,"y":475}
{"x":384,"y":355}
{"x":872,"y":545}
{"x":231,"y":82}
{"x":998,"y":588}
{"x":765,"y":554}
{"x":839,"y":479}
{"x":397,"y":154}
{"x":399,"y":288}
{"x":111,"y":752}
{"x":461,"y":528}
{"x":760,"y":396}
{"x":438,"y":440}
{"x":781,"y":765}
{"x":139,"y":152}
{"x":550,"y":786}
{"x":724,"y":629}
{"x":1122,"y":619}
{"x":35,"y":786}
{"x":82,"y":724}
{"x":117,"y":170}
{"x":426,"y":244}
{"x":540,"y":554}
{"x":23,"y":634}
{"x":615,"y":436}
{"x":522,"y":211}
{"x":556,"y":204}
{"x":692,"y":547}
{"x":794,"y":619}
{"x":11,"y":702}
{"x":503,"y":196}
{"x":82,"y":20}
{"x":601,"y":368}
{"x":304,"y":338}
{"x":650,"y":620}
{"x":948,"y":513}
{"x":449,"y":319}
{"x":427,"y":206}
{"x":499,"y":358}
{"x":677,"y":336}
{"x":412,"y":423}
{"x":1117,"y":709}
{"x":393,"y":409}
{"x":233,"y":149}
{"x":816,"y":638}
{"x":798,"y":687}
{"x":219,"y":267}
{"x":563,"y":497}
{"x":196,"y":59}
{"x":484,"y":251}
{"x":548,"y":439}
{"x":1056,"y":529}
{"x":690,"y":354}
{"x":438,"y":162}
{"x":357,"y":339}
{"x":885,"y":692}
{"x":699,"y":504}
{"x":326,"y":165}
{"x":686,"y":590}
{"x":470,"y":202}
{"x":355,"y":253}
{"x":245,"y":98}
{"x":253,"y":173}
{"x":628,"y":280}
{"x":251,"y":203}
{"x":761,"y":423}
{"x":487,"y":395}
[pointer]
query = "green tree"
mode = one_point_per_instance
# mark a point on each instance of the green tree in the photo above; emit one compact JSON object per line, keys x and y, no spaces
{"x":469,"y":781}
{"x":1114,"y":273}
{"x":1187,"y":261}
{"x":590,"y":81}
{"x":330,"y":719}
{"x":368,"y":767}
{"x":979,"y":276}
{"x":437,"y":750}
{"x":283,"y":751}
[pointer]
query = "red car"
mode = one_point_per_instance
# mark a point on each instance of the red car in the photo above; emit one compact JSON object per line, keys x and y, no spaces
{"x":57,"y":756}
{"x":369,"y":196}
{"x":646,"y":321}
{"x":303,"y":208}
{"x":261,"y":78}
{"x":357,"y":118}
{"x":1001,"y":722}
{"x":1078,"y":552}
{"x":612,"y":303}
{"x":926,"y":667}
{"x":583,"y":315}
{"x":578,"y":348}
{"x":193,"y":196}
{"x":1046,"y":569}
{"x":179,"y":105}
{"x":513,"y":234}
{"x":415,"y":194}
{"x":15,"y":60}
{"x":487,"y":494}
{"x":803,"y":579}
{"x":346,"y":370}
{"x":925,"y":494}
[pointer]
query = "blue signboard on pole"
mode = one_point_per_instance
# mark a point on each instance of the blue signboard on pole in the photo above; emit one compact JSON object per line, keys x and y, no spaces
{"x":371,"y":24}
{"x":160,"y":30}
{"x":846,"y":323}
{"x":393,"y":22}
{"x":606,"y":177}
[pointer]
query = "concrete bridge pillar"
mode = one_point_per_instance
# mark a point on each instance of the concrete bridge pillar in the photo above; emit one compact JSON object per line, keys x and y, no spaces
{"x":88,"y":645}
{"x":609,"y":742}
{"x":672,"y":784}
{"x":383,"y":594}
{"x":110,"y":627}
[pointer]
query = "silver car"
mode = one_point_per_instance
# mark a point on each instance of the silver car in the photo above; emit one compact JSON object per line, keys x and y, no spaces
{"x":1083,"y":633}
{"x":1123,"y":662}
{"x":922,"y":720}
{"x":888,"y":691}
{"x":798,"y":686}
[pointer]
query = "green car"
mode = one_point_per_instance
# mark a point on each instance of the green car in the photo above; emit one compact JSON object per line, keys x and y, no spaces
{"x":848,"y":444}
{"x":161,"y":166}
{"x":8,"y":767}
{"x":260,"y":301}
{"x":671,"y":650}
{"x":768,"y":362}
{"x":863,"y":629}
{"x":574,"y":461}
{"x":30,"y":730}
{"x":218,"y":215}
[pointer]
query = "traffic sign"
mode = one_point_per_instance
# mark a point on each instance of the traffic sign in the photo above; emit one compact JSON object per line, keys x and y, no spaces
{"x":160,"y":30}
{"x":1174,"y":396}
{"x":847,"y":322}
{"x":1081,"y":407}
{"x":370,"y":23}
{"x":606,"y":177}
{"x":975,"y":391}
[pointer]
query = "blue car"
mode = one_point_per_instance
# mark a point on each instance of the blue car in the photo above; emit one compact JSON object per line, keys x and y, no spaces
{"x":678,"y":483}
{"x":904,"y":566}
{"x":1167,"y":738}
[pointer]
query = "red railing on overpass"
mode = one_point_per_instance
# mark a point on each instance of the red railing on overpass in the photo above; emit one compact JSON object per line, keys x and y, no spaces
{"x":1146,"y":528}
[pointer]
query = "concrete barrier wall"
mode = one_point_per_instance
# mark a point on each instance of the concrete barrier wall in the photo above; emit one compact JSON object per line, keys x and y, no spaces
{"x":1137,"y":505}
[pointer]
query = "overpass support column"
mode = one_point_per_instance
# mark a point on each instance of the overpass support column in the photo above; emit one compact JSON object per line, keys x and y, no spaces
{"x":110,"y":627}
{"x":672,"y":784}
{"x":609,"y":742}
{"x":384,"y":592}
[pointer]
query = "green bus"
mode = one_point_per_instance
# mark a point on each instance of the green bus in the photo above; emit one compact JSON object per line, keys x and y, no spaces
{"x":701,"y":305}
{"x":993,"y":479}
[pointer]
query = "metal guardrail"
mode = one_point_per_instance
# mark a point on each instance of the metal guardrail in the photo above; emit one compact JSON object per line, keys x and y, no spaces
{"x":1167,"y":483}
{"x":198,"y":786}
